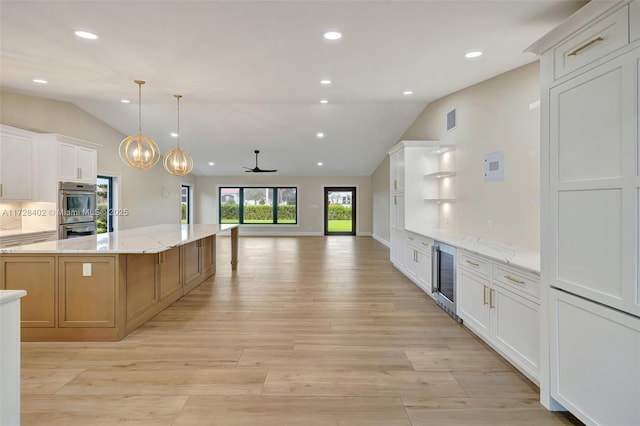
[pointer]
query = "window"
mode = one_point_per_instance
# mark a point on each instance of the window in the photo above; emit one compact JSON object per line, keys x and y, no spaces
{"x":258,"y":205}
{"x":185,"y":204}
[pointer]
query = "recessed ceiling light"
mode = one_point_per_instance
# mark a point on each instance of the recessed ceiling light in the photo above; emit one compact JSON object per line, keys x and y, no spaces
{"x":473,"y":54}
{"x":39,"y":81}
{"x":319,"y":163}
{"x":324,"y":101}
{"x":407,"y":92}
{"x":320,"y":135}
{"x":86,"y":35}
{"x":174,"y":135}
{"x":211,"y":163}
{"x":332,"y":35}
{"x":125,"y":101}
{"x":325,"y":82}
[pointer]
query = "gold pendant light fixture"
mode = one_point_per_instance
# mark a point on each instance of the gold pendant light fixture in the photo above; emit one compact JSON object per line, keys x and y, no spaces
{"x":139,"y":151}
{"x":178,"y":162}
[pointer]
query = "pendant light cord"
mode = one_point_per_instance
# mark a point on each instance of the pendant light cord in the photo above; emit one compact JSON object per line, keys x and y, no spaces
{"x":140,"y":107}
{"x":178,"y":98}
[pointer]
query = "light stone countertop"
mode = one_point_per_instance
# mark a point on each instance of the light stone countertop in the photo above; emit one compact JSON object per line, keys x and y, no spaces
{"x":149,"y":239}
{"x":517,"y":256}
{"x":7,"y":296}
{"x":20,"y":232}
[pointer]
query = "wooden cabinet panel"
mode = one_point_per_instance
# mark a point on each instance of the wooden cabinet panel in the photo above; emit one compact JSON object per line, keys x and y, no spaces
{"x":87,"y":291}
{"x":208,"y":255}
{"x":36,"y":275}
{"x":142,"y":286}
{"x":170,"y":280}
{"x":190,"y":263}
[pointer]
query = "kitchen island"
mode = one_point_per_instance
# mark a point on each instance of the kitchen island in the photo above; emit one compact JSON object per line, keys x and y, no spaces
{"x":101,"y":288}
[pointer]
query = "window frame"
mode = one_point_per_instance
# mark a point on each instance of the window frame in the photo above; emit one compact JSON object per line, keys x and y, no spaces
{"x":188,"y":203}
{"x":241,"y":205}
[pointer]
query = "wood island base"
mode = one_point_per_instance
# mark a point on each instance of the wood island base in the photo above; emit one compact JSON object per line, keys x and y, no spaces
{"x":104,"y":297}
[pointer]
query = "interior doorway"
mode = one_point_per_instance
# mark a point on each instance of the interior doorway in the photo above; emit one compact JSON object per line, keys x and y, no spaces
{"x":340,"y":210}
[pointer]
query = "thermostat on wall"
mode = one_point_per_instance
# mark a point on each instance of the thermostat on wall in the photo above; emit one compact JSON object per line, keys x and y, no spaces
{"x":494,"y":166}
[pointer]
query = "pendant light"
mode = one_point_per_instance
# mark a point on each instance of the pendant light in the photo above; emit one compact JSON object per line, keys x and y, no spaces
{"x":178,"y":162}
{"x":139,"y":151}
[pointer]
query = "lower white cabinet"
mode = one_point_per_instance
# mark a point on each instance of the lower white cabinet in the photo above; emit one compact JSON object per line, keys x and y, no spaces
{"x":502,"y":314}
{"x":595,"y":362}
{"x":418,"y":261}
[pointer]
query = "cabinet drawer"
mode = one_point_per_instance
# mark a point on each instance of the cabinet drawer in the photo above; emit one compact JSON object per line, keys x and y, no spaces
{"x":474,"y":263}
{"x":515,"y":279}
{"x":419,"y":242}
{"x":634,"y":21}
{"x":594,"y":42}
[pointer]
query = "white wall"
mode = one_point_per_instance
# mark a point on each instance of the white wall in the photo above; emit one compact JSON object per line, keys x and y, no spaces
{"x":492,"y":115}
{"x":151,"y":196}
{"x":381,"y":202}
{"x":310,"y":201}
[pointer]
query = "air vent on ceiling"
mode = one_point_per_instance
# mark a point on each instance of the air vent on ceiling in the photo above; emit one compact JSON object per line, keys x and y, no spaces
{"x":451,"y":120}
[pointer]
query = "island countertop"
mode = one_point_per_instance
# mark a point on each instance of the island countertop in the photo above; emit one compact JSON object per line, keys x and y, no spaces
{"x":148,"y":239}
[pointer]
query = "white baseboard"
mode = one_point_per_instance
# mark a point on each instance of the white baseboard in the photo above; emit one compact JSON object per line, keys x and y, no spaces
{"x":381,"y":241}
{"x":364,"y":234}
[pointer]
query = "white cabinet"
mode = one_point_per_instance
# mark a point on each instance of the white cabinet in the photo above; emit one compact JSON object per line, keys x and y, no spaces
{"x":590,"y":193}
{"x":16,"y":165}
{"x":397,"y":233}
{"x":418,"y":261}
{"x":76,"y":163}
{"x":397,"y":171}
{"x":497,"y":302}
{"x":596,"y":364}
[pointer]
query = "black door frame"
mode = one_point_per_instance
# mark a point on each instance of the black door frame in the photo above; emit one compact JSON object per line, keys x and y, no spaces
{"x":328,"y":189}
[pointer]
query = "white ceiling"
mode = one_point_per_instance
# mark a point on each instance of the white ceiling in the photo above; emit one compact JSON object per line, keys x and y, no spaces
{"x":249,"y":71}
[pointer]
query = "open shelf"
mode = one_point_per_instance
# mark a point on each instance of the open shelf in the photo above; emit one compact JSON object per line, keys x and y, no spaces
{"x":440,"y":200}
{"x":439,"y":175}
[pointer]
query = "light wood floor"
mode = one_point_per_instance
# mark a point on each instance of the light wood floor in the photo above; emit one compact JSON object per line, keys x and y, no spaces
{"x":309,"y":331}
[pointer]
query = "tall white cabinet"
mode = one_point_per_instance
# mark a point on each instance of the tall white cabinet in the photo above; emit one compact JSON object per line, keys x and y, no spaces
{"x":18,"y":164}
{"x":590,"y":75}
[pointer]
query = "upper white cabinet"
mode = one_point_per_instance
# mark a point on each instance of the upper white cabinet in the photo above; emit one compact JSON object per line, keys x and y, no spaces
{"x":76,"y":159}
{"x":17,"y":161}
{"x":634,"y":20}
{"x":76,"y":163}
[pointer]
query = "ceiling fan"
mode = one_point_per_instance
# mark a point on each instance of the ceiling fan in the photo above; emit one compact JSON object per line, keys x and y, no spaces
{"x":257,"y":169}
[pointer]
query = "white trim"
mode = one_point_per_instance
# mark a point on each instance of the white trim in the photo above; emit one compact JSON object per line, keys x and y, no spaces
{"x":381,"y":241}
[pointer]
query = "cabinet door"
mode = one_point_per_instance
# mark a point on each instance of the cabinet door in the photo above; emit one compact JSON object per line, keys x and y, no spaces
{"x":36,"y":275}
{"x":67,"y":162}
{"x":208,"y":248}
{"x":170,"y":272}
{"x":16,"y":156}
{"x":515,"y":329}
{"x":397,"y":171}
{"x":595,"y":367}
{"x":191,"y":265}
{"x":86,"y":164}
{"x":411,"y":262}
{"x":87,"y":291}
{"x":398,"y":241}
{"x":142,"y":285}
{"x":593,"y":184}
{"x":473,"y":302}
{"x":424,"y":270}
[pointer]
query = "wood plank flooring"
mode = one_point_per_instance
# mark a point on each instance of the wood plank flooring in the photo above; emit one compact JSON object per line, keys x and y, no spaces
{"x":308,"y":331}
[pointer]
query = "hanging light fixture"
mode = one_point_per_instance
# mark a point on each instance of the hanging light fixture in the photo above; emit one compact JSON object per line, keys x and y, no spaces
{"x":178,"y":162}
{"x":139,"y":151}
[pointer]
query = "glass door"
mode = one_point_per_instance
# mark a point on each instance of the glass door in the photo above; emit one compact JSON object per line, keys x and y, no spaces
{"x":339,"y":211}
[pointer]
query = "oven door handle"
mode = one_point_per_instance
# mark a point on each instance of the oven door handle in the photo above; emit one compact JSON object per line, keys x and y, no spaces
{"x":435,"y":262}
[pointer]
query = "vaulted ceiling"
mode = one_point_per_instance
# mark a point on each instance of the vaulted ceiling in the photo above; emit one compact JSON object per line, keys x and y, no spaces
{"x":250,"y":71}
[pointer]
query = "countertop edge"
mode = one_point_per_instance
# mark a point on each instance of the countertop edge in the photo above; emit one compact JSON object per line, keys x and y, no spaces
{"x":7,"y":296}
{"x":471,"y":243}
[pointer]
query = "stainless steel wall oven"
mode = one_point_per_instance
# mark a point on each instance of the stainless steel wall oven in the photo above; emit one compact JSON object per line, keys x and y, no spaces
{"x":76,"y":210}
